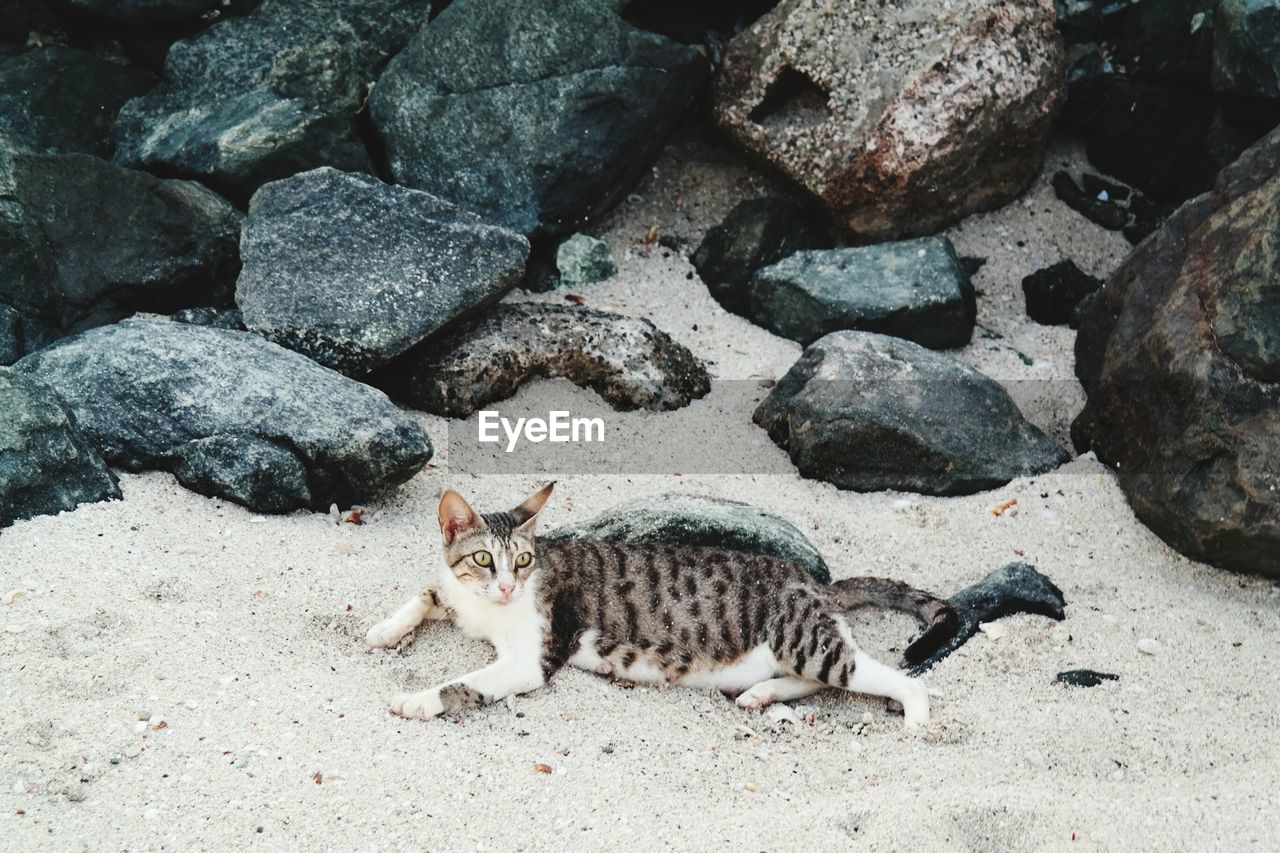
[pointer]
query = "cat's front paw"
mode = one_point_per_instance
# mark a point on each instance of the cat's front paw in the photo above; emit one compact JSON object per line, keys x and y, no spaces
{"x":386,"y":633}
{"x":418,"y":706}
{"x":915,"y":706}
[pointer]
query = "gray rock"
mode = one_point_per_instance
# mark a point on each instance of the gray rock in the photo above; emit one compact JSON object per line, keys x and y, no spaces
{"x":538,"y":115}
{"x":869,"y":412}
{"x":261,"y":97}
{"x":679,"y":519}
{"x":627,"y":360}
{"x":914,"y":289}
{"x":353,"y":272}
{"x":219,"y":318}
{"x":1246,"y":48}
{"x":84,"y":242}
{"x":583,"y":259}
{"x":45,"y":464}
{"x":63,"y":101}
{"x":756,"y":233}
{"x":231,"y":414}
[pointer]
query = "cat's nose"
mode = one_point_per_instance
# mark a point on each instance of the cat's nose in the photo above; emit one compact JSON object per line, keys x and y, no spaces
{"x":506,"y":588}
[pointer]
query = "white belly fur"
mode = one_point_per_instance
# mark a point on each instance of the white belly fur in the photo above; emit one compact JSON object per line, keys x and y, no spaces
{"x":756,"y":666}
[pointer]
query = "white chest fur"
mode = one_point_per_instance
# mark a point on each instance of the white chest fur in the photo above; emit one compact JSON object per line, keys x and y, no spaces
{"x":515,"y":628}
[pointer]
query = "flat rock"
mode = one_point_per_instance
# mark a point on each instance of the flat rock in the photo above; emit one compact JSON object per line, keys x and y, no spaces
{"x":353,"y":272}
{"x":1053,"y":293}
{"x":264,"y":96}
{"x":626,"y":360}
{"x":913,"y":289}
{"x":537,"y":115}
{"x":756,"y":233}
{"x":231,"y":414}
{"x":1083,"y":678}
{"x":869,"y":412}
{"x":900,"y":118}
{"x":1179,"y":354}
{"x":46,"y":466}
{"x":697,"y":520}
{"x":84,"y":242}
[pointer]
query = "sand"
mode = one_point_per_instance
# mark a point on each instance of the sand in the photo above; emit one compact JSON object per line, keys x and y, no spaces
{"x":180,"y":673}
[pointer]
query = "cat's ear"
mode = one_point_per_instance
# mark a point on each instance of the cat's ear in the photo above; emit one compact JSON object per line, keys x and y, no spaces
{"x":527,"y":513}
{"x":456,"y":515}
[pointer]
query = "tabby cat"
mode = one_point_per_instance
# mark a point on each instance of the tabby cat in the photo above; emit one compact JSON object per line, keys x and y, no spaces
{"x":749,"y":625}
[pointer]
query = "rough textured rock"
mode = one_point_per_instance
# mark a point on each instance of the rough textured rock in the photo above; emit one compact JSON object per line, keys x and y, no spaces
{"x":1015,"y":588}
{"x":1180,"y":355}
{"x":538,"y":115}
{"x":1083,"y":678}
{"x":680,"y":519}
{"x":45,"y":464}
{"x":756,"y":233}
{"x":870,"y":412}
{"x":1053,"y":293}
{"x":913,"y":289}
{"x":231,"y":414}
{"x":1112,"y":206}
{"x":219,"y":318}
{"x":1246,"y":42}
{"x":60,"y":100}
{"x":626,"y":360}
{"x":583,"y":259}
{"x":900,"y":118}
{"x":353,"y":272}
{"x":261,"y":97}
{"x":84,"y":242}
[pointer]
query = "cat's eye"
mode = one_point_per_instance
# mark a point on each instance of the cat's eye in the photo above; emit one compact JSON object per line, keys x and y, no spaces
{"x":483,"y":559}
{"x":524,"y":559}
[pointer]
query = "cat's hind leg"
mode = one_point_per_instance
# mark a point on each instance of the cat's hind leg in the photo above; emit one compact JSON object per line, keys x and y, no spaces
{"x":875,"y":679}
{"x":425,"y":605}
{"x":782,"y":689}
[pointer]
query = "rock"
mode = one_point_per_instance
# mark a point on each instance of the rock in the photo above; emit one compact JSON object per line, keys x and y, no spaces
{"x":537,"y":115}
{"x":1015,"y":588}
{"x":626,"y":360}
{"x":1149,"y":646}
{"x":219,"y":318}
{"x":1053,"y":293}
{"x":755,"y":234}
{"x":45,"y":464}
{"x":870,"y":412}
{"x":1128,"y":210}
{"x":84,"y":242}
{"x":696,"y":21}
{"x":1083,"y":678}
{"x":353,"y":272}
{"x":231,"y":414}
{"x":146,"y":11}
{"x":266,"y":95}
{"x":913,"y":289}
{"x":697,"y":520}
{"x":62,"y":101}
{"x":1179,"y":354}
{"x":900,"y":118}
{"x":1246,"y":55}
{"x":583,"y":259}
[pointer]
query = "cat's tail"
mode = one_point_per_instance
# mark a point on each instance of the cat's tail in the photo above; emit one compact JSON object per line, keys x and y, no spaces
{"x":939,"y":618}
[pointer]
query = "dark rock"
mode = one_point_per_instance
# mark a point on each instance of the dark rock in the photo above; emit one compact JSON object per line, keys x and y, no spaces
{"x":897,"y":126}
{"x":1124,"y":209}
{"x":45,"y":464}
{"x":61,"y":100}
{"x":626,"y":360}
{"x":538,"y":115}
{"x":755,"y":234}
{"x":1246,"y":56}
{"x":231,"y":414}
{"x":1180,"y":355}
{"x":583,"y":259}
{"x":84,"y":242}
{"x":264,"y":96}
{"x":353,"y":272}
{"x":1096,"y":186}
{"x":696,"y":520}
{"x":135,"y":11}
{"x":913,"y":289}
{"x":695,"y":21}
{"x":971,"y":264}
{"x":1167,"y":41}
{"x":1015,"y":588}
{"x":218,"y":318}
{"x":870,"y":412}
{"x":1053,"y":293}
{"x":1083,"y":678}
{"x":1109,"y":214}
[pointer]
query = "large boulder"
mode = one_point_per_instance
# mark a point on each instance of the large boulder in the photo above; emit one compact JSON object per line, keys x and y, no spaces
{"x":1246,"y":48}
{"x":261,"y":97}
{"x":900,"y":118}
{"x":537,"y":115}
{"x":627,"y":360}
{"x":61,"y":100}
{"x":673,"y":518}
{"x":913,"y":289}
{"x":231,"y":414}
{"x":869,"y":412}
{"x":352,"y":272}
{"x":1180,"y":356}
{"x":45,"y":464}
{"x":84,"y":242}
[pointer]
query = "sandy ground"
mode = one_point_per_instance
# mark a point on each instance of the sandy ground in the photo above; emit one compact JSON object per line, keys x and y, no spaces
{"x":179,"y":673}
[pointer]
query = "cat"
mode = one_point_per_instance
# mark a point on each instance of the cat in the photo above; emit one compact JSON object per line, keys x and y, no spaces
{"x":752,"y":626}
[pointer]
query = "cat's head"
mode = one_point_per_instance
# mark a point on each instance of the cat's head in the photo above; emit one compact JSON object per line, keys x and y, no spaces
{"x":492,"y":555}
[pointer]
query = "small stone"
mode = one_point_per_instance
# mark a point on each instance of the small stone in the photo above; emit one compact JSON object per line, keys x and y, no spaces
{"x":994,"y":630}
{"x":12,"y":595}
{"x":139,"y":727}
{"x":867,"y":718}
{"x":1036,"y":759}
{"x":1053,"y":293}
{"x":583,"y":259}
{"x":1149,"y":646}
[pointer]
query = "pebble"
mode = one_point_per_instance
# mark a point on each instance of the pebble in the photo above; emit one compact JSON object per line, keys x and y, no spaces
{"x":1036,"y":759}
{"x":19,"y":787}
{"x":994,"y":630}
{"x":1149,"y":646}
{"x":139,"y":727}
{"x":866,"y":718}
{"x":12,"y":595}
